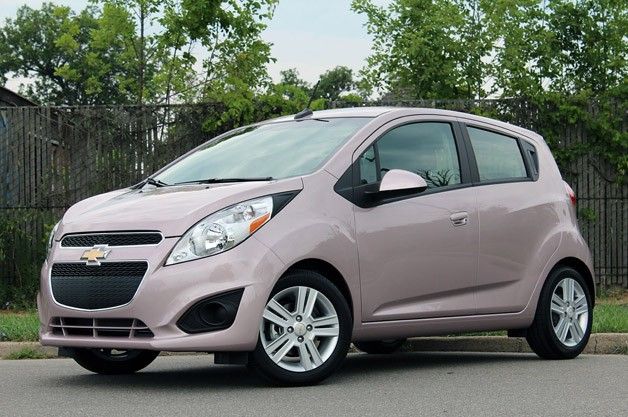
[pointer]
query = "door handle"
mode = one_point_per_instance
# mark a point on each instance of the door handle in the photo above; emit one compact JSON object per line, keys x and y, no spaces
{"x":459,"y":219}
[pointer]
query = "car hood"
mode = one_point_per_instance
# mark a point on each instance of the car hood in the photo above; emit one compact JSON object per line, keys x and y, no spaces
{"x":171,"y":210}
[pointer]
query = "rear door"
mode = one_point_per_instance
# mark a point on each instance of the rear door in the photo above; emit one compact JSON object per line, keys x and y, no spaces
{"x":418,"y":253}
{"x":514,"y":214}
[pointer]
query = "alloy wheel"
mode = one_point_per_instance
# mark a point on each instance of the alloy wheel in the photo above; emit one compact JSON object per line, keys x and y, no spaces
{"x":300,"y":328}
{"x":569,"y":312}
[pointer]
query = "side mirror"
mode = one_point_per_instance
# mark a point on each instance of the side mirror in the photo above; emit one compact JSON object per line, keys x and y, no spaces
{"x":401,"y":182}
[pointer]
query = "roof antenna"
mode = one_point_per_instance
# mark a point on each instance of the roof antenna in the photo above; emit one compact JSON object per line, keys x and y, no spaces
{"x":307,"y":111}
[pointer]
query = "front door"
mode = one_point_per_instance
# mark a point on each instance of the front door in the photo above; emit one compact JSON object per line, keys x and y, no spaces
{"x":418,"y":254}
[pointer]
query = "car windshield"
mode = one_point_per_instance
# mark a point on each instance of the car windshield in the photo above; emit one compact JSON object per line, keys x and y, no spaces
{"x":276,"y":150}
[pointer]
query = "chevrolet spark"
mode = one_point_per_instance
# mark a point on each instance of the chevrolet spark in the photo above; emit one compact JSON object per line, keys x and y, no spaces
{"x":276,"y":245}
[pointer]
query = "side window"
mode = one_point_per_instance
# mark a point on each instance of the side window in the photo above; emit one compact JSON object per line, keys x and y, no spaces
{"x":498,"y":156}
{"x":428,"y":149}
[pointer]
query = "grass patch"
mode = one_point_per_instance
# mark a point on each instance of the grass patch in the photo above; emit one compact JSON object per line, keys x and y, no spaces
{"x":610,"y":318}
{"x":26,"y":353}
{"x":19,"y":327}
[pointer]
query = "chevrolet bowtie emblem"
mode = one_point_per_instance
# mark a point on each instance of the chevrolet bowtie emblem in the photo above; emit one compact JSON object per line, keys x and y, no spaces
{"x":94,"y":255}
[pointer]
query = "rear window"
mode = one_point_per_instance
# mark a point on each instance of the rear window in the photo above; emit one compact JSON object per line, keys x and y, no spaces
{"x":498,"y":156}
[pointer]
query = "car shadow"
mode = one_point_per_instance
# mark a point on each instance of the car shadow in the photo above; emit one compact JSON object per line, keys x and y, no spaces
{"x":191,"y":376}
{"x":447,"y":361}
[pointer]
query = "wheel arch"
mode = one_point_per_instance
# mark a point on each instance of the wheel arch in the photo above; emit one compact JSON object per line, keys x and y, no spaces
{"x":328,"y":271}
{"x":583,"y":269}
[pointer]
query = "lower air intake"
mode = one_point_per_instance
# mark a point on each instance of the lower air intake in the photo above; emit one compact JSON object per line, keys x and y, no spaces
{"x":86,"y":327}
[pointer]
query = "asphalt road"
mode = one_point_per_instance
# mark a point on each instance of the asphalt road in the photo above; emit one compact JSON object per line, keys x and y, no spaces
{"x":412,"y":384}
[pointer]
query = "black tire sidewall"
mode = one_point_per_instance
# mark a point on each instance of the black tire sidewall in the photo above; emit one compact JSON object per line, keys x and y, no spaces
{"x":267,"y":368}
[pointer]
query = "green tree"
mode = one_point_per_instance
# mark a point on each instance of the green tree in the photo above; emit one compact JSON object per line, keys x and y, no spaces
{"x":52,"y":47}
{"x":522,"y":47}
{"x":427,"y":49}
{"x":589,"y":44}
{"x":291,"y":77}
{"x":335,"y":82}
{"x":138,"y":51}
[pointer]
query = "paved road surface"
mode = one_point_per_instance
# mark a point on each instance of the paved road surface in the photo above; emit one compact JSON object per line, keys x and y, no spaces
{"x":413,"y":384}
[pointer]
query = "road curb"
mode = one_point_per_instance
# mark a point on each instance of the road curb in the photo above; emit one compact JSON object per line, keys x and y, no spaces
{"x":599,"y":344}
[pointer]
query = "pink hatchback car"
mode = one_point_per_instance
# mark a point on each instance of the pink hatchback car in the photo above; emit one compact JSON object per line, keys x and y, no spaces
{"x":279,"y":244}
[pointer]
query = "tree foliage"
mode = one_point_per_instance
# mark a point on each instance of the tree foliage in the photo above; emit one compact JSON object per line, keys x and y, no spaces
{"x":568,"y":58}
{"x":51,"y":46}
{"x":426,"y":49}
{"x":137,"y":51}
{"x":335,"y":82}
{"x":476,"y":48}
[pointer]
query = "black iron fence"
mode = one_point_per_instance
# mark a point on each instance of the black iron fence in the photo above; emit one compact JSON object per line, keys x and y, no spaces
{"x":52,"y":157}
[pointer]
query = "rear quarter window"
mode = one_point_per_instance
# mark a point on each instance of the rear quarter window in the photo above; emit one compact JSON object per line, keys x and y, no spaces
{"x":498,"y":156}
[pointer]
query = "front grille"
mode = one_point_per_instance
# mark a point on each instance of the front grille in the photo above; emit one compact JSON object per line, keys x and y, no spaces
{"x":111,"y":239}
{"x":86,"y":327}
{"x":92,"y":287}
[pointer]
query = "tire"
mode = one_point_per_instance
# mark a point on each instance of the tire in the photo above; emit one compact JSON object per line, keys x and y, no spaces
{"x":305,"y":352}
{"x":378,"y":347}
{"x":545,"y":336}
{"x":113,"y":362}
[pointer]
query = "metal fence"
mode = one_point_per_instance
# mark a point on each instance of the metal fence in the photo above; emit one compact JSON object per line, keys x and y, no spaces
{"x":52,"y":157}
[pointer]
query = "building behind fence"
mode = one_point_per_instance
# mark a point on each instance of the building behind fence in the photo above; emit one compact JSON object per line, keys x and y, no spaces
{"x":52,"y":157}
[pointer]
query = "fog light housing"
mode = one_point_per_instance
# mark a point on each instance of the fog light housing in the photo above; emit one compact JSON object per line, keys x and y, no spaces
{"x":217,"y":312}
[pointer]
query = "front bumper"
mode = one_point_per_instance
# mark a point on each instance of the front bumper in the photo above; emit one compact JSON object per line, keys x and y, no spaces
{"x":167,"y":292}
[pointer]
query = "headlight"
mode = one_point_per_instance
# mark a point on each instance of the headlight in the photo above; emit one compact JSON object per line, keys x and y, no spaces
{"x":51,"y":239}
{"x":222,"y":230}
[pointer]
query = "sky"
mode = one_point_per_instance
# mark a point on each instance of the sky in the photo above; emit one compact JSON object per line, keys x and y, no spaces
{"x":309,"y":35}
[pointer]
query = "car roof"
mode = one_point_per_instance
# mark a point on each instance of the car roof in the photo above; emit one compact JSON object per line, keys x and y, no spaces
{"x":345,"y":112}
{"x":393,"y":112}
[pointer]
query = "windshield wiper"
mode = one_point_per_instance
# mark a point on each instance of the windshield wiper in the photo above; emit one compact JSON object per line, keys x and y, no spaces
{"x":153,"y":181}
{"x":224,"y":180}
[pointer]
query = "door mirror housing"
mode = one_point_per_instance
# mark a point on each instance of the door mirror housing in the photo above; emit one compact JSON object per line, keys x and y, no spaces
{"x":401,"y":182}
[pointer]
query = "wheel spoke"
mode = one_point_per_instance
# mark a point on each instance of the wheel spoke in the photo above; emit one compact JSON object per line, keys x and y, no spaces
{"x":316,"y":357}
{"x":558,"y":301}
{"x":576,"y":331}
{"x":279,"y":309}
{"x":301,"y":299}
{"x":325,"y":321}
{"x":281,"y":353}
{"x":561,"y":329}
{"x":581,"y":302}
{"x":581,"y":306}
{"x":272,"y":346}
{"x":270,"y":316}
{"x":569,"y":289}
{"x":309,"y":304}
{"x":557,"y":308}
{"x":326,"y":332}
{"x":305,"y":357}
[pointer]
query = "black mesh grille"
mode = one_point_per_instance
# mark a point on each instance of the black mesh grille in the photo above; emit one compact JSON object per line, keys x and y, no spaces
{"x":111,"y":239}
{"x":93,"y":287}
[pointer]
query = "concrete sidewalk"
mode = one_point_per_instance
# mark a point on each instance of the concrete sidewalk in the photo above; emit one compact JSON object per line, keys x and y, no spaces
{"x":599,"y":343}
